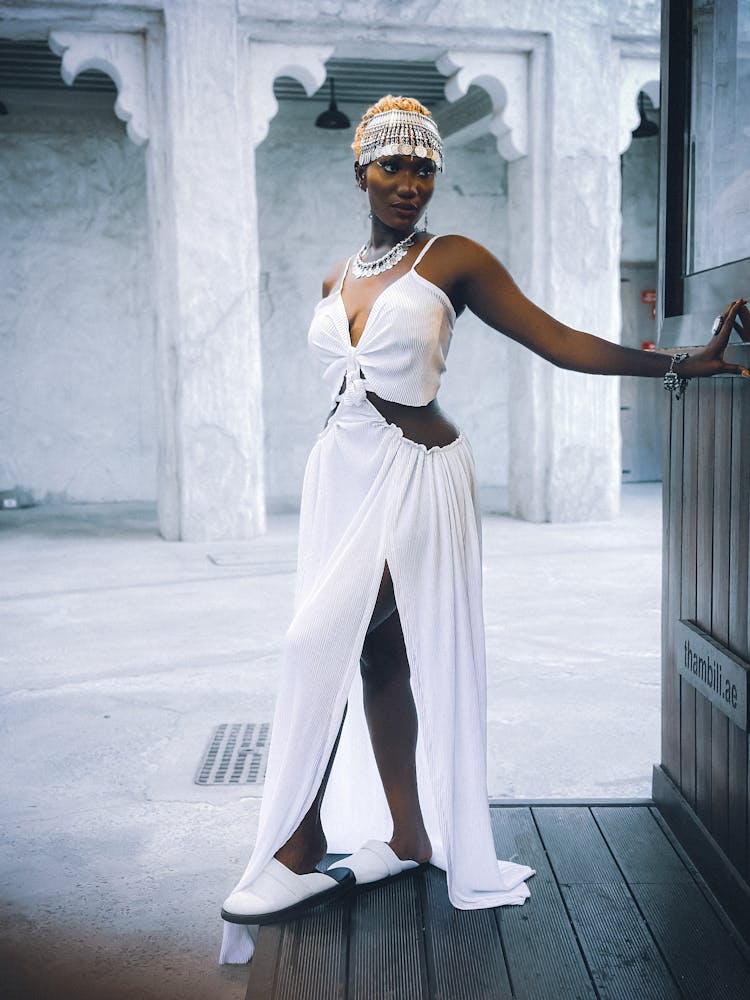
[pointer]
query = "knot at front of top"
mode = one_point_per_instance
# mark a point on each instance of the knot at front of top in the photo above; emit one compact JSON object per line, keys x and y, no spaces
{"x":355,"y":392}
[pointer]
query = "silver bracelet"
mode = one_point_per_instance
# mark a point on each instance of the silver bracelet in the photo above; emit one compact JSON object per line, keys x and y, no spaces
{"x":673,"y":382}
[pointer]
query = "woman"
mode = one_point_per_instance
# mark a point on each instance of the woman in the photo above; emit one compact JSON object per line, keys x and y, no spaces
{"x":389,"y":573}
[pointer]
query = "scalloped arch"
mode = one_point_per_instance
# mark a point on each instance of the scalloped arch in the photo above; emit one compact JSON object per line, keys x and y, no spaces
{"x":306,"y":63}
{"x":636,"y":74}
{"x":121,"y":56}
{"x":505,"y":77}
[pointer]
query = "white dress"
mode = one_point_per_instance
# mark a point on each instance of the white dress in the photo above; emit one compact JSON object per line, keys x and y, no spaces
{"x":371,"y":496}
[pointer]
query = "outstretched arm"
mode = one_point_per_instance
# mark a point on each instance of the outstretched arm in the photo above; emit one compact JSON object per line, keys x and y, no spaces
{"x":485,"y":287}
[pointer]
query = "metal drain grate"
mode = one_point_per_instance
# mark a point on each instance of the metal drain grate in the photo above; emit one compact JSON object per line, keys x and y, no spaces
{"x":237,"y":755}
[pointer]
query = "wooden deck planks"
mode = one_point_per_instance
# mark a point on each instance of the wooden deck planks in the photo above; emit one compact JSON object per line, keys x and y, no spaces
{"x":706,"y":962}
{"x":303,"y":958}
{"x":615,"y":913}
{"x":620,"y":952}
{"x":640,"y":847}
{"x":312,"y":958}
{"x":624,"y":960}
{"x":681,"y":918}
{"x":386,"y":951}
{"x":541,"y":949}
{"x":464,"y":951}
{"x":262,"y":982}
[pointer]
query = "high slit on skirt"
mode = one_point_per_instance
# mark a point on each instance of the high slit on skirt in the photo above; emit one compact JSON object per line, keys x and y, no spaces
{"x":372,"y":496}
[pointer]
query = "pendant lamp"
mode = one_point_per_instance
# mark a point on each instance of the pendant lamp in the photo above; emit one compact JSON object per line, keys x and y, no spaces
{"x":332,"y":117}
{"x":645,"y":127}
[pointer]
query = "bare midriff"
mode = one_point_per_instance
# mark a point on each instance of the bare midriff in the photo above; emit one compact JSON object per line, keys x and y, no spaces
{"x":426,"y":425}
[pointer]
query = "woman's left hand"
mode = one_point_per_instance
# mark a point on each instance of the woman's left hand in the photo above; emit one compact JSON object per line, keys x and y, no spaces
{"x":709,"y":360}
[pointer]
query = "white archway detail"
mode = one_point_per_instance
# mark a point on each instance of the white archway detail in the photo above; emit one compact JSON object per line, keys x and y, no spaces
{"x":505,"y":77}
{"x":636,"y":73}
{"x":268,"y":60}
{"x":118,"y":54}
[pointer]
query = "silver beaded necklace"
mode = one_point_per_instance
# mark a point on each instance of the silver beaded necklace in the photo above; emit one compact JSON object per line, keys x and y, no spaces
{"x":362,"y":268}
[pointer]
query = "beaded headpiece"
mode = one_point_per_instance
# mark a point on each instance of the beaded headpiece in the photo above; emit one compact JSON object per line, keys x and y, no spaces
{"x":407,"y":133}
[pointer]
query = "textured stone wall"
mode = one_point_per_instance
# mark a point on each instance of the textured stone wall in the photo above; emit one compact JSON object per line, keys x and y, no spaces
{"x":473,"y":201}
{"x":640,"y":184}
{"x":311,"y":215}
{"x":627,"y":17}
{"x":205,"y":233}
{"x":77,"y":393}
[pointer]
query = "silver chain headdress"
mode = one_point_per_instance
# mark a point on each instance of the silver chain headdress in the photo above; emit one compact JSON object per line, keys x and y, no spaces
{"x":405,"y":133}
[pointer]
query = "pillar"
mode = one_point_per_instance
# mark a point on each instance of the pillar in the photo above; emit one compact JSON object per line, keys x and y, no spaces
{"x":205,"y":247}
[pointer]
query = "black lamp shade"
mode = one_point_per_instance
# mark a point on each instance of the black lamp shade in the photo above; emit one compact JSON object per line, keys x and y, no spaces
{"x":332,"y":117}
{"x":645,"y":127}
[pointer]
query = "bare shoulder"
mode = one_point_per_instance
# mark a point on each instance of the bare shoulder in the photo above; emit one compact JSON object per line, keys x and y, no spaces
{"x":455,"y":243}
{"x":460,"y":266}
{"x":462,"y":255}
{"x":334,"y":276}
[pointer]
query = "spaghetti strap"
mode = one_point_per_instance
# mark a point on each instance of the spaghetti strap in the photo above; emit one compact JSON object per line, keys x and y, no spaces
{"x":424,"y":250}
{"x":343,"y":276}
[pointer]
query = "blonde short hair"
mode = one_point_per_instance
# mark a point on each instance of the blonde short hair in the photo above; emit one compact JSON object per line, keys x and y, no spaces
{"x":387,"y":103}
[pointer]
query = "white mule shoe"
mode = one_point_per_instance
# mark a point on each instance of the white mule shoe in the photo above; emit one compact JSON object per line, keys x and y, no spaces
{"x":374,"y":862}
{"x":280,"y":894}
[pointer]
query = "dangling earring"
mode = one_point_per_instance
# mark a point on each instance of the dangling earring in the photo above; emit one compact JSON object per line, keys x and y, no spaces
{"x":425,"y":226}
{"x":369,"y":215}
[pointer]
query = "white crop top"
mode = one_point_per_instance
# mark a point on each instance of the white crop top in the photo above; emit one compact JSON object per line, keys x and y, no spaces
{"x":401,"y":353}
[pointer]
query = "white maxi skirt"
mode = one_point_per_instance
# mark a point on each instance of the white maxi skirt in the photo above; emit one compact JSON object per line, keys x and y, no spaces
{"x":371,"y":497}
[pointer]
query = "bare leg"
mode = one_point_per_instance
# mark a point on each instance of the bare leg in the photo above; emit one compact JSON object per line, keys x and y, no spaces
{"x":392,"y":721}
{"x":307,"y":845}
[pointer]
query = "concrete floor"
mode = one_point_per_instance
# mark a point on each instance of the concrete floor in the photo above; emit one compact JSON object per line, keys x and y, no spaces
{"x":120,"y":652}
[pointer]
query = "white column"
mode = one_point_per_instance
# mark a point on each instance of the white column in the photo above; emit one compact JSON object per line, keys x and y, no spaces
{"x":584,"y":474}
{"x":530,"y":378}
{"x":517,"y":83}
{"x":205,"y":244}
{"x":565,"y":426}
{"x":562,"y":139}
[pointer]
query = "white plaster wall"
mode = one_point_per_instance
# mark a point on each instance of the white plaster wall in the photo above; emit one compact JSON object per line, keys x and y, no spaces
{"x":473,"y":200}
{"x":641,"y":416}
{"x":77,"y":396}
{"x":309,"y":217}
{"x":626,"y":17}
{"x":640,"y":185}
{"x":312,"y":215}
